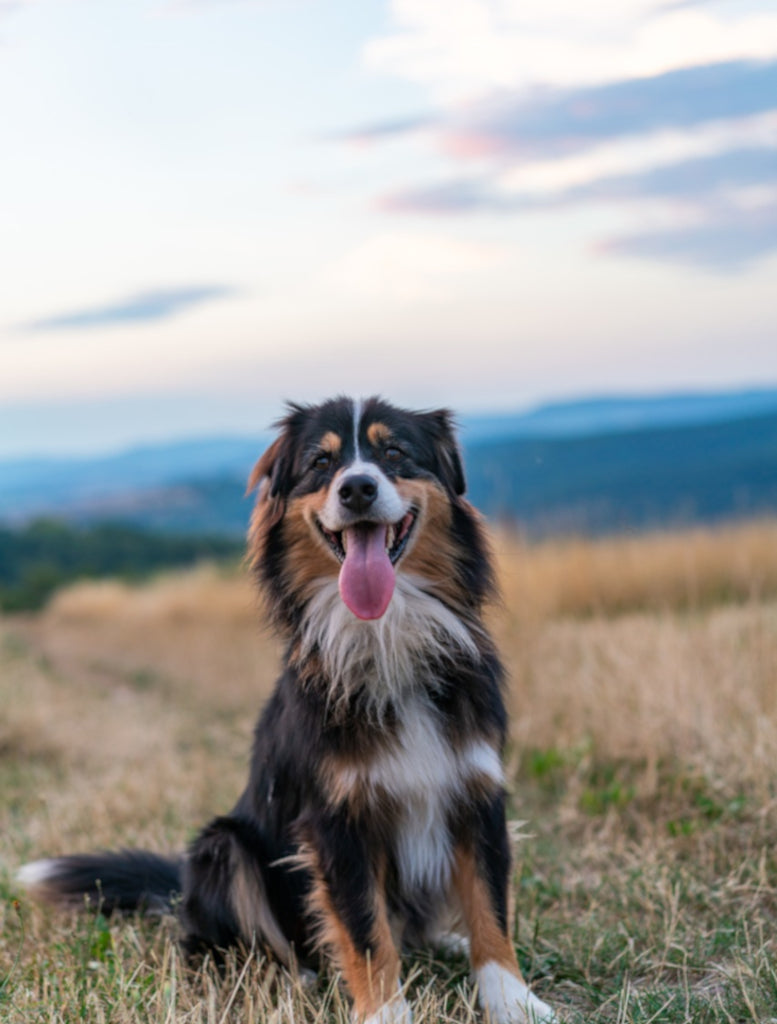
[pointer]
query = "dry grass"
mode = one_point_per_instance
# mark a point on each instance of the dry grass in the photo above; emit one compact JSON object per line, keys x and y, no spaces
{"x":692,"y":569}
{"x":644,"y":758}
{"x":697,"y":690}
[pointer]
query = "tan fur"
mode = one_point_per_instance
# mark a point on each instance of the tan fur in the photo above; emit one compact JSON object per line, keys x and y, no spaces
{"x":332,"y":443}
{"x":264,"y":465}
{"x":251,"y":907}
{"x":268,"y":510}
{"x":488,"y":943}
{"x":343,"y":784}
{"x":433,"y":553}
{"x":308,"y":559}
{"x":257,"y":535}
{"x":378,"y":433}
{"x":372,"y":979}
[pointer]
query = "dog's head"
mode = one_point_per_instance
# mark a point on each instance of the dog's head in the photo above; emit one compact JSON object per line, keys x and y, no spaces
{"x":361,"y":491}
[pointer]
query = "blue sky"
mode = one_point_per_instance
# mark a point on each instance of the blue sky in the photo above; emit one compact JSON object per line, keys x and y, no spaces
{"x":211,"y":206}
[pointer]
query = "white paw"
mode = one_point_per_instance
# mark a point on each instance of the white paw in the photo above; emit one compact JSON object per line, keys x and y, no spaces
{"x":507,"y":1000}
{"x":396,"y":1011}
{"x":450,"y":944}
{"x":308,"y":979}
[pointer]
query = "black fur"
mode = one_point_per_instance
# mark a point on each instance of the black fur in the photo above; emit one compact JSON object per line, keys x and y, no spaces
{"x":124,"y":880}
{"x":290,"y":837}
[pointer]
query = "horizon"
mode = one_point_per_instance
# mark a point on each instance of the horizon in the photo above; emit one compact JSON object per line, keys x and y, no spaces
{"x":466,"y":420}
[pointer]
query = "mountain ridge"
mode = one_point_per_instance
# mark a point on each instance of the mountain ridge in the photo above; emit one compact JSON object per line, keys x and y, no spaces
{"x":576,"y":465}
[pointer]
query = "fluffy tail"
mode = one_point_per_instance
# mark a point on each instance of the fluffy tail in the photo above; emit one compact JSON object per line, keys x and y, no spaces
{"x":128,"y":880}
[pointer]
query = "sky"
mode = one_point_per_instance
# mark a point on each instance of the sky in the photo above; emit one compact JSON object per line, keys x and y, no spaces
{"x":213,"y":206}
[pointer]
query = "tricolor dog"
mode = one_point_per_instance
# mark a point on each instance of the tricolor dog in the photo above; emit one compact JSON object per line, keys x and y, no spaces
{"x":374,"y":814}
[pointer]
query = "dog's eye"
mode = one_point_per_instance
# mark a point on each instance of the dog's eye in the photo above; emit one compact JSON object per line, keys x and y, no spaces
{"x":392,"y":453}
{"x":322,"y":461}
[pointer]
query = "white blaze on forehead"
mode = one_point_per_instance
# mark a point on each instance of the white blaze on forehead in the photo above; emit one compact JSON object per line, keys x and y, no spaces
{"x":388,"y":507}
{"x":357,"y":415}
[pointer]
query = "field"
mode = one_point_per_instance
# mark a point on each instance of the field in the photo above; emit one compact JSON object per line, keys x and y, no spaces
{"x":643,"y":765}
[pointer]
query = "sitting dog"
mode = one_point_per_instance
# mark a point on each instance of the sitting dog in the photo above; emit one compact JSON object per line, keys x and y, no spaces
{"x":374,"y":815}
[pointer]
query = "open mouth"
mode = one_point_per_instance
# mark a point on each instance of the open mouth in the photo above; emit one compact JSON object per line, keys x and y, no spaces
{"x":396,"y":539}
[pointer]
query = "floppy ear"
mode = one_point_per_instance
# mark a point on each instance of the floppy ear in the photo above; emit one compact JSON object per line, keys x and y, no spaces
{"x":451,"y":469}
{"x":269,"y":472}
{"x":270,"y":506}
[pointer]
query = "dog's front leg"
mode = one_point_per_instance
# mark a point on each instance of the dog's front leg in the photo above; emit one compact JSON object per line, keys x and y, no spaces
{"x":348,"y":899}
{"x":480,"y":882}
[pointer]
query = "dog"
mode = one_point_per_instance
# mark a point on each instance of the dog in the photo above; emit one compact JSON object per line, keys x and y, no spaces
{"x":374,"y":815}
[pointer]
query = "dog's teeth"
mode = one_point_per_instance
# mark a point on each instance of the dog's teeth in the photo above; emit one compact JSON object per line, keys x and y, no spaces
{"x":343,"y":541}
{"x":390,"y":535}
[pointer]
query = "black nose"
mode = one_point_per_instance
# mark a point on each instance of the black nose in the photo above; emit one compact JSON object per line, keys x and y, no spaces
{"x":358,"y":492}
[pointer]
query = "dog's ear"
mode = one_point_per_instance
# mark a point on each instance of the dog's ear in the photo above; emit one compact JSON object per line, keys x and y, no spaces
{"x":268,"y":472}
{"x":450,"y":467}
{"x":268,"y":478}
{"x":273,"y":474}
{"x":271,"y":478}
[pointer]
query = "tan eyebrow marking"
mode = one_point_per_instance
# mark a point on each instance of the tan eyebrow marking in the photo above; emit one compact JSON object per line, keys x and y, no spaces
{"x":332,"y":442}
{"x":378,"y":433}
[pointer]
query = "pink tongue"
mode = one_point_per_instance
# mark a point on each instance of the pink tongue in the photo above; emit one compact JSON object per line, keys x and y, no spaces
{"x":367,"y":576}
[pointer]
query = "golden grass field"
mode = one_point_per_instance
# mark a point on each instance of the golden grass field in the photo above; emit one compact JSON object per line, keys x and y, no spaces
{"x":643,"y":758}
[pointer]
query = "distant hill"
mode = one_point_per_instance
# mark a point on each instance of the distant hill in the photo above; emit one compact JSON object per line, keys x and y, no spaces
{"x":668,"y":476}
{"x":590,"y":416}
{"x":87,"y":487}
{"x":586,"y":466}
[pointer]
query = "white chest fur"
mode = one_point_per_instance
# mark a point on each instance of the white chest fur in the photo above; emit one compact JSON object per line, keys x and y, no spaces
{"x":424,"y":775}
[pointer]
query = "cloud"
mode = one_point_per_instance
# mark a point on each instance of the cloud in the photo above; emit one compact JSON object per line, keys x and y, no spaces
{"x":459,"y":48}
{"x":144,"y":307}
{"x":464,"y":195}
{"x":666,"y":107}
{"x":382,"y":130}
{"x":725,"y":206}
{"x":684,"y":180}
{"x":725,"y":240}
{"x":687,"y":180}
{"x":573,"y":120}
{"x":559,"y":122}
{"x":718,"y":119}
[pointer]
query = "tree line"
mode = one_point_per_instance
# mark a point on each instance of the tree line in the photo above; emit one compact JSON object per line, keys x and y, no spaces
{"x":45,"y":554}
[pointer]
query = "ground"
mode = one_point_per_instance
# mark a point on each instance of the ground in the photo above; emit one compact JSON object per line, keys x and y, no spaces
{"x":643,"y":768}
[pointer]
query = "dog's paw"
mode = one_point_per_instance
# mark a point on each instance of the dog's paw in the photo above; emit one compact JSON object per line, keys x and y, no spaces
{"x":450,"y":944}
{"x":396,"y":1011}
{"x":507,"y":1000}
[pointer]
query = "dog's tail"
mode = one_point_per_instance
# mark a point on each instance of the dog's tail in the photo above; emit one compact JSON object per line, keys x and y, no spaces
{"x":126,"y":880}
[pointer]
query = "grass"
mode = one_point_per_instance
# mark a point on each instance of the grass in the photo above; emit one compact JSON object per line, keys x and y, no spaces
{"x":687,"y":570}
{"x":643,"y":760}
